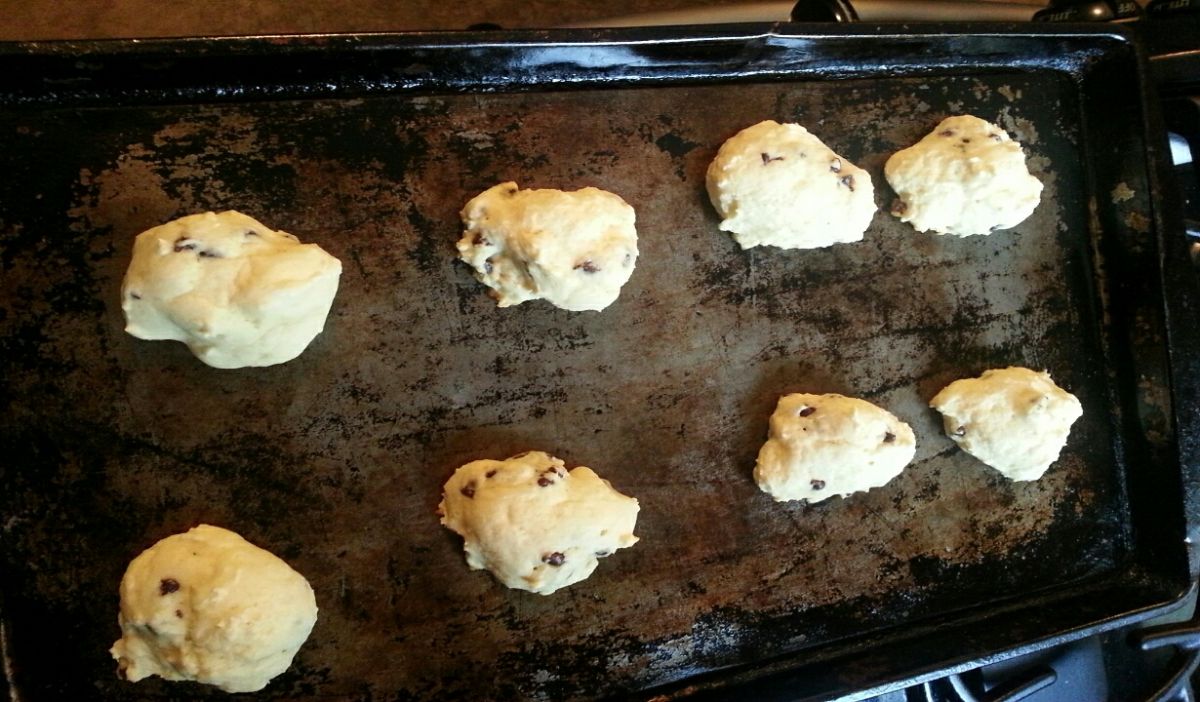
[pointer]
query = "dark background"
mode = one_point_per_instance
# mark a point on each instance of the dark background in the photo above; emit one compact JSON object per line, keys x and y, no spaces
{"x":95,"y":19}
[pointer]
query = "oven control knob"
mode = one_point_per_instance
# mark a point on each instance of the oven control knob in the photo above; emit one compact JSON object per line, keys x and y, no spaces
{"x":823,"y":11}
{"x":1158,"y":8}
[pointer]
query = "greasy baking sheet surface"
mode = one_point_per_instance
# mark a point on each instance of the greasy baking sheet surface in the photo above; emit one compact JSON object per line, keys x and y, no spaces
{"x":335,"y":461}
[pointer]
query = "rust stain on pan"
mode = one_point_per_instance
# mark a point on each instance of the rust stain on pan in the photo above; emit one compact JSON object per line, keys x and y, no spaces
{"x":336,"y":460}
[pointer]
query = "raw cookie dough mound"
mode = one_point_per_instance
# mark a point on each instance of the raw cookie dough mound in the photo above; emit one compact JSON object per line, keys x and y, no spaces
{"x":1015,"y":420}
{"x":966,"y":177}
{"x":236,"y":292}
{"x":778,"y":185}
{"x":825,"y":445}
{"x":574,"y":249}
{"x":211,"y":607}
{"x":533,"y":524}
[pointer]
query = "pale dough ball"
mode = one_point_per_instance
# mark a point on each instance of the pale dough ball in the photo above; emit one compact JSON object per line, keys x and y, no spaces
{"x":574,"y":249}
{"x":210,"y":607}
{"x":825,"y":445}
{"x":1015,"y":420}
{"x":535,"y":525}
{"x":778,"y":185}
{"x":966,"y":177}
{"x":235,"y":291}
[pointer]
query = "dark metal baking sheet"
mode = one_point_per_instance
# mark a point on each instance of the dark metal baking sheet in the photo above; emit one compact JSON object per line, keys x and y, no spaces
{"x":335,"y":461}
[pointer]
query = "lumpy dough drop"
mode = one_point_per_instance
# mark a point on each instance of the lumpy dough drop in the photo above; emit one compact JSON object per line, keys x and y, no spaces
{"x":778,"y":185}
{"x":210,"y":607}
{"x":235,"y":291}
{"x":535,"y":525}
{"x":965,"y":177}
{"x":1015,"y":420}
{"x":821,"y":446}
{"x":573,"y":249}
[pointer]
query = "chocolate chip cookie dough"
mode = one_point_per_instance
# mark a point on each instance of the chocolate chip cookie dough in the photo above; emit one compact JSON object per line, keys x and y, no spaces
{"x":822,"y":446}
{"x":210,"y":607}
{"x":535,"y":525}
{"x":573,"y":249}
{"x":778,"y":185}
{"x":965,"y":177}
{"x":1015,"y":420}
{"x":235,"y":291}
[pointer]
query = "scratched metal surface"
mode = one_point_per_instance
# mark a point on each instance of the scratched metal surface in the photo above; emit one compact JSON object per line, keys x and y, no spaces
{"x":335,"y":461}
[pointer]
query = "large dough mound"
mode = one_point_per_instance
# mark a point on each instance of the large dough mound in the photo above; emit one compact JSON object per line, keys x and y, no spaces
{"x":574,"y":249}
{"x":966,"y":177}
{"x":820,"y":446}
{"x":533,"y":524}
{"x":1015,"y":420}
{"x":778,"y":185}
{"x":236,"y":292}
{"x":211,"y":607}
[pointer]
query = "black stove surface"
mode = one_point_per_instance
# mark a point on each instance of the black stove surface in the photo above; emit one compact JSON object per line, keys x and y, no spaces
{"x":1155,"y":661}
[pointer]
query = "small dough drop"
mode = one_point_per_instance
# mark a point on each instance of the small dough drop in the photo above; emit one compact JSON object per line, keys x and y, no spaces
{"x":235,"y":291}
{"x":778,"y":185}
{"x":535,"y":525}
{"x":210,"y":607}
{"x":1015,"y":420}
{"x":820,"y":446}
{"x":573,"y":249}
{"x":965,"y":177}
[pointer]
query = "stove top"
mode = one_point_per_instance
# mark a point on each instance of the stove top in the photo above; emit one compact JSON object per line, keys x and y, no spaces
{"x":1156,"y":661}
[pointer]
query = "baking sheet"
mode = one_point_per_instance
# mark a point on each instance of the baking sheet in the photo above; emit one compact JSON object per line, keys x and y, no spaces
{"x":335,"y":460}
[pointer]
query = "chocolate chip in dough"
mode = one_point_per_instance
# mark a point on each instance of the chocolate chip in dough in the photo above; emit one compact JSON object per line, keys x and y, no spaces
{"x":167,"y":585}
{"x":818,"y":485}
{"x":554,"y":559}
